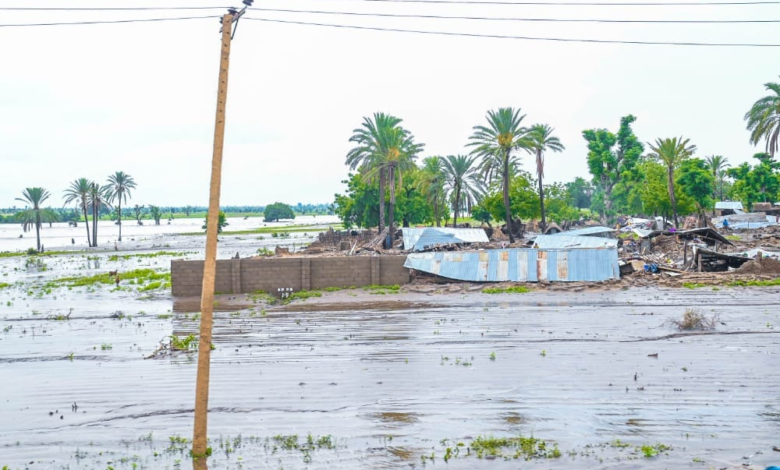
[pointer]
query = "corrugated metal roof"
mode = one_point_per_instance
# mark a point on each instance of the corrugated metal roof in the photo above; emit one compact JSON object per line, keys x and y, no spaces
{"x":521,"y":265}
{"x":420,"y":238}
{"x":728,"y":205}
{"x":602,"y":231}
{"x":563,"y":240}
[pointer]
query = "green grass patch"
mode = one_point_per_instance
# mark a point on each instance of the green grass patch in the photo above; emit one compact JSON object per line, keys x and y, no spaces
{"x":735,"y":238}
{"x":767,"y":283}
{"x":149,"y":255}
{"x":302,"y":295}
{"x":3,"y":285}
{"x":393,"y":287}
{"x":12,"y":254}
{"x":137,"y":277}
{"x":507,"y":290}
{"x":526,"y":448}
{"x":693,"y":285}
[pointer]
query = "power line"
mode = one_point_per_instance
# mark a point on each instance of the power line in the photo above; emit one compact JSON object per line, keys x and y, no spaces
{"x":75,"y":23}
{"x":527,"y":38}
{"x":106,"y":8}
{"x":488,"y":18}
{"x":562,"y":3}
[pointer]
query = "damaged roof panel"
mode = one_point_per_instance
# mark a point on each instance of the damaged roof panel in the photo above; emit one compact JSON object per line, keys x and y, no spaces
{"x":520,"y":265}
{"x":732,"y":205}
{"x":421,"y":238}
{"x":566,"y":241}
{"x":596,"y":231}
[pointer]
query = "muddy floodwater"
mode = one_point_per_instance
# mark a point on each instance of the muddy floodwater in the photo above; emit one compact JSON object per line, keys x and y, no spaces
{"x":356,"y":380}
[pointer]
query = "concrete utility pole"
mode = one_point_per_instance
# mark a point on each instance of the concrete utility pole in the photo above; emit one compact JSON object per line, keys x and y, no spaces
{"x":199,"y":438}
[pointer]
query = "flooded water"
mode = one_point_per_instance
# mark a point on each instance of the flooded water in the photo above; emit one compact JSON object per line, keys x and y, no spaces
{"x":385,"y":381}
{"x":60,"y":235}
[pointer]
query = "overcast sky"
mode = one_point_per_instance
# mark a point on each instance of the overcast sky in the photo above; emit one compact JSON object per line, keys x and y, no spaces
{"x":85,"y":101}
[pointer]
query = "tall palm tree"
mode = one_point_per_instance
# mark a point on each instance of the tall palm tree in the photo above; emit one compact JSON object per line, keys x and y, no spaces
{"x":462,"y":181}
{"x":384,"y":151}
{"x":495,"y":144}
{"x":35,"y":215}
{"x":722,"y":174}
{"x":79,"y":191}
{"x":98,"y":201}
{"x":717,"y":164}
{"x":763,"y":119}
{"x":671,"y":152}
{"x":540,"y":140}
{"x":400,"y":151}
{"x":365,"y":155}
{"x":431,"y":184}
{"x":118,"y":189}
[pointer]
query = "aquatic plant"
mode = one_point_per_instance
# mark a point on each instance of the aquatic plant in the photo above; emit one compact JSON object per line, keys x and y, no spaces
{"x":695,"y":320}
{"x":508,"y":290}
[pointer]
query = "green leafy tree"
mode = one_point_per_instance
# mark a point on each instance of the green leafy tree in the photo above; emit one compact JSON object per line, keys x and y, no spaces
{"x":558,"y":207}
{"x":482,"y":215}
{"x":522,"y":194}
{"x":759,"y":183}
{"x":35,"y":215}
{"x":612,"y":160}
{"x":763,"y":119}
{"x":431,"y":184}
{"x":579,"y":193}
{"x":654,"y":192}
{"x":138,"y":211}
{"x":541,"y":140}
{"x":221,"y":222}
{"x":156,"y":214}
{"x":277,"y":211}
{"x":120,"y":184}
{"x":671,"y":152}
{"x":462,"y":181}
{"x":697,"y":182}
{"x":79,"y":191}
{"x":495,"y":144}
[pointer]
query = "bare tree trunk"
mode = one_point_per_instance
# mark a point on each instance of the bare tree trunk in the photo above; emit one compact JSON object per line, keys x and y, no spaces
{"x":672,"y":200}
{"x":457,"y":207}
{"x":436,"y":210}
{"x":38,"y":230}
{"x":86,"y":223}
{"x":381,"y":199}
{"x":391,"y":222}
{"x":95,"y":213}
{"x":507,"y":209}
{"x":119,"y":217}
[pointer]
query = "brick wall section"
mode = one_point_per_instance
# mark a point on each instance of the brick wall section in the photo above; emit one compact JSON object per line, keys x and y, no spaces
{"x":270,"y":274}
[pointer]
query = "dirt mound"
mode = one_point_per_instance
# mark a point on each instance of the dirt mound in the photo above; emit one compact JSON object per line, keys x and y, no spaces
{"x":760,"y":266}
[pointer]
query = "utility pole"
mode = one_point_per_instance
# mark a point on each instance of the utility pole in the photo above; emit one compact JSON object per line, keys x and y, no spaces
{"x":200,"y":433}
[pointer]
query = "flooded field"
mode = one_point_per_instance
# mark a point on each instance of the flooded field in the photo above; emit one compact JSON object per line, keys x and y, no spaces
{"x":355,"y":380}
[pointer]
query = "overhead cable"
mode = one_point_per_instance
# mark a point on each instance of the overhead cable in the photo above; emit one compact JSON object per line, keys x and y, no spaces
{"x":564,"y":3}
{"x":75,"y":23}
{"x":527,"y":38}
{"x":493,"y":18}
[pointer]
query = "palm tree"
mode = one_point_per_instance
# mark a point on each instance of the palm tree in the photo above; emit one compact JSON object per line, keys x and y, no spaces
{"x":79,"y":191}
{"x":541,"y":139}
{"x":463,"y":182}
{"x":495,"y":144}
{"x":365,"y":155}
{"x":763,"y":119}
{"x":672,"y":152}
{"x":35,"y":215}
{"x":98,"y":201}
{"x":385,"y":150}
{"x":431,"y":184}
{"x":118,"y":189}
{"x":717,"y":164}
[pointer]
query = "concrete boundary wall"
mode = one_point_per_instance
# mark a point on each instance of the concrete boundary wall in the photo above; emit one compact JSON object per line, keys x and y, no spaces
{"x":243,"y":276}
